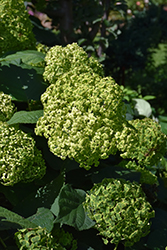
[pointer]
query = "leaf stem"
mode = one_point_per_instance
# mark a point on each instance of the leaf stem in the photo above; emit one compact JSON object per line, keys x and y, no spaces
{"x":3,"y":243}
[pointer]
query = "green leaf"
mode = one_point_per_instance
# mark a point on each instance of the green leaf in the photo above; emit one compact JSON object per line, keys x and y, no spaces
{"x":15,"y":218}
{"x":28,"y":57}
{"x":163,"y":127}
{"x":158,"y":235}
{"x":149,"y":97}
{"x":142,"y":107}
{"x":43,"y":218}
{"x":21,"y":84}
{"x":43,"y":197}
{"x":71,"y":211}
{"x":162,"y":118}
{"x":157,"y":239}
{"x":55,"y":207}
{"x":26,"y":117}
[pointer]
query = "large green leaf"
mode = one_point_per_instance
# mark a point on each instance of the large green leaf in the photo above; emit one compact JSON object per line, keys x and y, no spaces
{"x":43,"y":218}
{"x":163,"y":123}
{"x":21,"y":84}
{"x":25,"y":117}
{"x":42,"y":197}
{"x":8,"y":216}
{"x":142,"y":107}
{"x":70,"y":209}
{"x":157,"y":239}
{"x":28,"y":57}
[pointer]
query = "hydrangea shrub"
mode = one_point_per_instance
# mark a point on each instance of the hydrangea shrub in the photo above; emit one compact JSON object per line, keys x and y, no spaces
{"x":20,"y":160}
{"x":15,"y":26}
{"x":84,"y":116}
{"x":120,"y":210}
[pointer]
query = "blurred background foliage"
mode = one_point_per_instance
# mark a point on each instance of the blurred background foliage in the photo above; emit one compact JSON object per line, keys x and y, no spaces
{"x":128,"y":38}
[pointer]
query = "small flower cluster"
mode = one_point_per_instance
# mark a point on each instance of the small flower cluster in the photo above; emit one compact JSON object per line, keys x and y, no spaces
{"x":20,"y":160}
{"x":6,"y":107}
{"x":40,"y":238}
{"x":120,"y":211}
{"x":143,"y":142}
{"x":16,"y":29}
{"x":82,"y":112}
{"x":35,"y":238}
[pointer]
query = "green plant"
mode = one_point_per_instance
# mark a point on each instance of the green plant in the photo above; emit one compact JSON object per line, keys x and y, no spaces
{"x":35,"y":238}
{"x":81,"y":122}
{"x":40,"y":238}
{"x":20,"y":160}
{"x":15,"y":26}
{"x":61,"y":60}
{"x":120,"y":210}
{"x":82,"y":110}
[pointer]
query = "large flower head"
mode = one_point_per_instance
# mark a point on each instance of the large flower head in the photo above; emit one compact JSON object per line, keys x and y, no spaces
{"x":81,"y":116}
{"x":120,"y":210}
{"x":20,"y":160}
{"x":15,"y":26}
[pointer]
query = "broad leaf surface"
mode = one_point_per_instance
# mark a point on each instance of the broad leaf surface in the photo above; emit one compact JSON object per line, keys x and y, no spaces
{"x":43,"y":218}
{"x":26,"y":117}
{"x":71,"y":211}
{"x":9,"y":216}
{"x":21,"y":84}
{"x":28,"y":57}
{"x":142,"y":107}
{"x":42,"y":197}
{"x":157,"y":237}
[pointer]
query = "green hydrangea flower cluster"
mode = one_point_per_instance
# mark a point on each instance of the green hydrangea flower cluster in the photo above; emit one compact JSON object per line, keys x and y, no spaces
{"x":143,"y":142}
{"x":42,"y":48}
{"x":15,"y":27}
{"x":35,"y":238}
{"x":81,"y":116}
{"x":40,"y":238}
{"x":20,"y":160}
{"x":146,"y":143}
{"x":120,"y":210}
{"x":6,"y":107}
{"x":61,"y":60}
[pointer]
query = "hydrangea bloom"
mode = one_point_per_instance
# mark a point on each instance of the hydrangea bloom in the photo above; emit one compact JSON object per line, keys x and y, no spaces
{"x":6,"y":107}
{"x":35,"y":238}
{"x":143,"y":144}
{"x":40,"y":238}
{"x":20,"y":160}
{"x":61,"y":60}
{"x":120,"y":210}
{"x":15,"y":26}
{"x":142,"y":141}
{"x":81,"y":116}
